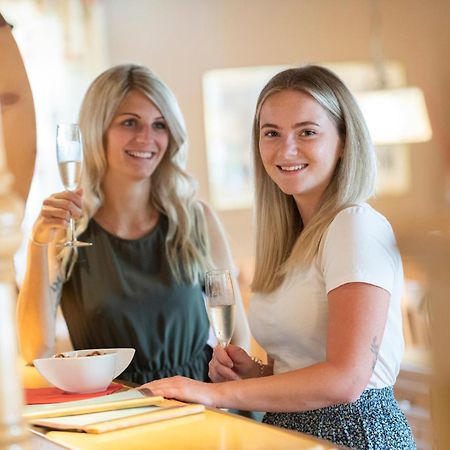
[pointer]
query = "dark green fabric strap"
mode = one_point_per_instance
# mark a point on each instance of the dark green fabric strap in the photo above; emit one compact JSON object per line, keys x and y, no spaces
{"x":122,"y":294}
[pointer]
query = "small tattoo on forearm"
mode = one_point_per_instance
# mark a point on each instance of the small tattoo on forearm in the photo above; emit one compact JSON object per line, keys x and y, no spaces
{"x":56,"y":286}
{"x":374,"y":348}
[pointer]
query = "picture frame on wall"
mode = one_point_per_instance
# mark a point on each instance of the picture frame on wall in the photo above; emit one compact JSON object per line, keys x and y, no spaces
{"x":230,"y":97}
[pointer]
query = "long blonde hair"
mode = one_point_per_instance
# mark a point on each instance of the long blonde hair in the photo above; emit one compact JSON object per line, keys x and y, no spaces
{"x":282,"y":241}
{"x":173,"y":190}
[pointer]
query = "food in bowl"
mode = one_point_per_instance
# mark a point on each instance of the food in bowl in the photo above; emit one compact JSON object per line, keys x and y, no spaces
{"x":85,"y":371}
{"x":94,"y":353}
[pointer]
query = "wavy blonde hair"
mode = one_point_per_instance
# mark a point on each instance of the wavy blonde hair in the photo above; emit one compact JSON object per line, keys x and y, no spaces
{"x":173,"y":190}
{"x":282,"y":241}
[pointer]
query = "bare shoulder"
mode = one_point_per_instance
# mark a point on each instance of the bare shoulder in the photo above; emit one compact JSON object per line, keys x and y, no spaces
{"x":212,"y":220}
{"x":208,"y":211}
{"x":219,"y":246}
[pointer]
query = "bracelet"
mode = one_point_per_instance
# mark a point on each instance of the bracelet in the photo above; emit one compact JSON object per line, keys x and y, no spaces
{"x":38,"y":244}
{"x":260,"y":364}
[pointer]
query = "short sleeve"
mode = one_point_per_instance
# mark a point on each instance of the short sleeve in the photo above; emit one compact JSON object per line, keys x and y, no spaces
{"x":359,"y":246}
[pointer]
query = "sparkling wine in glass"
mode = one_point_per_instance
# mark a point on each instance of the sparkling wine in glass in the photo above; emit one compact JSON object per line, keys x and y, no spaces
{"x":69,"y":153}
{"x":221,"y":304}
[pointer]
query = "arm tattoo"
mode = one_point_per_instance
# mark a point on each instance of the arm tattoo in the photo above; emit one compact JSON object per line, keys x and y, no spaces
{"x":374,"y":348}
{"x":56,"y":286}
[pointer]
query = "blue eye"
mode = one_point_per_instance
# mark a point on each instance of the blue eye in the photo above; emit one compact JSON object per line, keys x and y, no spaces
{"x":160,"y":125}
{"x":129,"y":123}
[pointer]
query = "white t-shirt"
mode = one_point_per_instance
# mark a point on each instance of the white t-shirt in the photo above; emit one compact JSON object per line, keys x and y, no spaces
{"x":290,"y":323}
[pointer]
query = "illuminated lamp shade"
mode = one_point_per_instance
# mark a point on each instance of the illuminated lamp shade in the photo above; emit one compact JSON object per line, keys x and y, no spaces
{"x":395,"y":116}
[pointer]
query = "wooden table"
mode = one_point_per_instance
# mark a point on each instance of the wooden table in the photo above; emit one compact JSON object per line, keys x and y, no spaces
{"x":211,"y":430}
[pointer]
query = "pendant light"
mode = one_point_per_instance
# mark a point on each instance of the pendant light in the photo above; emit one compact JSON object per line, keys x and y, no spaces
{"x":393,"y":115}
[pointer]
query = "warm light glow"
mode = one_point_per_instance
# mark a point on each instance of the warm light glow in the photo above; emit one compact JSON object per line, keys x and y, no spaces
{"x":5,"y":177}
{"x":396,"y":116}
{"x":2,"y":144}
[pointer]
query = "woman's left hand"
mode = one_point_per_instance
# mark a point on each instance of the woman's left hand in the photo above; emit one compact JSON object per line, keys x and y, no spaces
{"x":183,"y":389}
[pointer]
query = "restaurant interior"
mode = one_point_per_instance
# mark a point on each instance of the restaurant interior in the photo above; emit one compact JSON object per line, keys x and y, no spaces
{"x":208,"y":51}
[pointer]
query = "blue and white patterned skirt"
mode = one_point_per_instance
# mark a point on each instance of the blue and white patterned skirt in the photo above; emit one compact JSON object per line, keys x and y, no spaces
{"x":373,"y":422}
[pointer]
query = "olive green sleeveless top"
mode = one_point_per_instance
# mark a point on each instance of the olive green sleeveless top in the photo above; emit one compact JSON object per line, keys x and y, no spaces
{"x":122,"y":294}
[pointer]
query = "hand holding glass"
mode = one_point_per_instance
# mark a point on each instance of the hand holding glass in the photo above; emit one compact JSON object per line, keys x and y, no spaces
{"x":69,"y":153}
{"x":220,"y":303}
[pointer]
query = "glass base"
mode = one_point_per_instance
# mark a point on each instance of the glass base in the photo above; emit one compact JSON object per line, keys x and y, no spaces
{"x":76,"y":243}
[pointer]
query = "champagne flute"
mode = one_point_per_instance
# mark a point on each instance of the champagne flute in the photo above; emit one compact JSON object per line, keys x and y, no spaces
{"x":69,"y":153}
{"x":220,"y":304}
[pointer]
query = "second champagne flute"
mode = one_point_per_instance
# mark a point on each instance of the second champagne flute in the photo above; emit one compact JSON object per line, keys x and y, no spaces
{"x":221,"y":304}
{"x":69,"y":153}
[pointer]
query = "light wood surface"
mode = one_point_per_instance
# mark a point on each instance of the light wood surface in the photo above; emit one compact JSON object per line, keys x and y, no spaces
{"x":211,"y":430}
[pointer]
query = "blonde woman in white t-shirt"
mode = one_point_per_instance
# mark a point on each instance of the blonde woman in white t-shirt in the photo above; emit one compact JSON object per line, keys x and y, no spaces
{"x":328,"y":277}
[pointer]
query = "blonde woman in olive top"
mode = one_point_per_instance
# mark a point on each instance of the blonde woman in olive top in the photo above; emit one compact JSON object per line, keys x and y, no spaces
{"x":328,"y":277}
{"x":140,"y":284}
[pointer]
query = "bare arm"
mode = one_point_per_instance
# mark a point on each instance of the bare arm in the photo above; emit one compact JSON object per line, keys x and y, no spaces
{"x":37,"y":303}
{"x":357,"y":317}
{"x":221,"y":257}
{"x":41,"y":289}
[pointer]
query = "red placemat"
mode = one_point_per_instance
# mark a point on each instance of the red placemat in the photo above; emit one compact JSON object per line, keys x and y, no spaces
{"x":36,"y":396}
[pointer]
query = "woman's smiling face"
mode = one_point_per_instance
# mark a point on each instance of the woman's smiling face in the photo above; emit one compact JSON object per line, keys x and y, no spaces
{"x":137,"y":138}
{"x":299,"y":145}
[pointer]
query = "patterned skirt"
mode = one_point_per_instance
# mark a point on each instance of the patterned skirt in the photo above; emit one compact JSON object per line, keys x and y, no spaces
{"x":373,"y":422}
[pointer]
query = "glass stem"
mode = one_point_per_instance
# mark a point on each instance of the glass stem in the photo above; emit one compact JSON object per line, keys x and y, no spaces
{"x":72,"y":230}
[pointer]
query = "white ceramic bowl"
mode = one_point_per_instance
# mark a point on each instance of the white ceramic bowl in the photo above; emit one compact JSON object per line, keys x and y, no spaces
{"x":83,"y":374}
